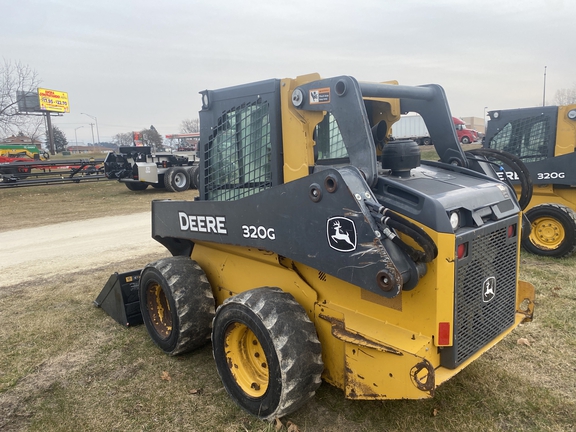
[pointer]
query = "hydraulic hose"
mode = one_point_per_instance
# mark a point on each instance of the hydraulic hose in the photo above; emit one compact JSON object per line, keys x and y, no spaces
{"x":513,"y":162}
{"x":403,"y":225}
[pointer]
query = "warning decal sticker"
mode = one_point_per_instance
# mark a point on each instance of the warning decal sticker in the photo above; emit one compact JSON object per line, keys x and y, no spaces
{"x":318,"y":96}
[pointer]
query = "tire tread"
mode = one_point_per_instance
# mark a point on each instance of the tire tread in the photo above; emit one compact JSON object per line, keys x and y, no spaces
{"x":297,"y":346}
{"x":192,"y":295}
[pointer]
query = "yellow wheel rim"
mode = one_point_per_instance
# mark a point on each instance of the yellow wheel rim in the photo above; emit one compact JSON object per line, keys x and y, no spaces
{"x":547,"y":233}
{"x":246,"y":360}
{"x":159,"y":310}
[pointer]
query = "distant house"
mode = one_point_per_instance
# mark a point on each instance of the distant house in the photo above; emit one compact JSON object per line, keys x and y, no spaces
{"x":21,"y":140}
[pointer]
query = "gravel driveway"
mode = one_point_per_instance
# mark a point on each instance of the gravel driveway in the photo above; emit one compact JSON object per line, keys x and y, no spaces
{"x":66,"y":247}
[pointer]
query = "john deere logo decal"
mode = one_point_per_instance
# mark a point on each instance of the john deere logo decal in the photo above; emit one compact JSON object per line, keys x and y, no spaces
{"x":341,"y":234}
{"x":488,"y":289}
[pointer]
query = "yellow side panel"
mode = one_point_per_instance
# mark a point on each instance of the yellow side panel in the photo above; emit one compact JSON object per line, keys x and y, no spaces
{"x":297,"y":131}
{"x":232,"y":270}
{"x":375,"y":375}
{"x":565,"y":131}
{"x":419,"y":310}
{"x":547,"y":193}
{"x":369,"y":368}
{"x":332,"y":348}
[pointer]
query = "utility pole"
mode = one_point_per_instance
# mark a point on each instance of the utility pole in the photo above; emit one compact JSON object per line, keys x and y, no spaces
{"x":544,"y":96}
{"x":75,"y":134}
{"x":92,"y":127}
{"x":97,"y":131}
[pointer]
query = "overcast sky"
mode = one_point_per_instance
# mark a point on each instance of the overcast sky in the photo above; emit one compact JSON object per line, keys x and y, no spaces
{"x":136,"y":63}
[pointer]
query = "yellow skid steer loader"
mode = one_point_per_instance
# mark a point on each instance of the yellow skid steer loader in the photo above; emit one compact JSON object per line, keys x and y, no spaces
{"x":319,"y":249}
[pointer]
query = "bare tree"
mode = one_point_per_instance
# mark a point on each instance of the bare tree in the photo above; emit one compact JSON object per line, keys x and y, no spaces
{"x":16,"y":79}
{"x":190,"y":126}
{"x":33,"y":128}
{"x":565,"y":96}
{"x":151,"y":138}
{"x":123,"y":139}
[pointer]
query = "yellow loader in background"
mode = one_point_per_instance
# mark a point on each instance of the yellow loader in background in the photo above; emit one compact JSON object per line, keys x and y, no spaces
{"x":544,"y":138}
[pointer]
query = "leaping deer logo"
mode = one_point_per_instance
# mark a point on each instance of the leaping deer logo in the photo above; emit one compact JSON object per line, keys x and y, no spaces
{"x":489,"y":289}
{"x":341,"y":234}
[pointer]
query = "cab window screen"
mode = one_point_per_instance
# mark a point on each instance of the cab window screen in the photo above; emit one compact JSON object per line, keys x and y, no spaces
{"x":527,"y":138}
{"x":329,"y":142}
{"x":238,"y":153}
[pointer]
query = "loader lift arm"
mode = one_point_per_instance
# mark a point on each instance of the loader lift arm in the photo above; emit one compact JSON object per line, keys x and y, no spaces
{"x":344,"y":99}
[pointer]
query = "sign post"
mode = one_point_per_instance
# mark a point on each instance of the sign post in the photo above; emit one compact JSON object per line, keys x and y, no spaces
{"x":52,"y":101}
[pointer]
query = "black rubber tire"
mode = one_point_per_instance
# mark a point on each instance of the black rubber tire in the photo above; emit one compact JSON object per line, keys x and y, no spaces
{"x":465,"y":140}
{"x":177,"y":179}
{"x":177,"y":304}
{"x":553,"y":225}
{"x":133,"y":186}
{"x":275,"y":329}
{"x":195,"y":177}
{"x":426,"y":141}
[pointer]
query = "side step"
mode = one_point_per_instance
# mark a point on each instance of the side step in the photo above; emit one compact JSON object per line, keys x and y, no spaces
{"x":119,"y":298}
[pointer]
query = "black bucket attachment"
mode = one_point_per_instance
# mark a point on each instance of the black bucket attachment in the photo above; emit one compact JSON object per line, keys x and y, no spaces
{"x":120,"y":299}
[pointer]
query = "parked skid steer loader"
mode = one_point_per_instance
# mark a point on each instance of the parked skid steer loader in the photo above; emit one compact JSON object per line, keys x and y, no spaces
{"x":544,"y":138}
{"x":331,"y":253}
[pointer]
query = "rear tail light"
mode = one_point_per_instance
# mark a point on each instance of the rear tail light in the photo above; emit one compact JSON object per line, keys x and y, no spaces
{"x":443,"y":333}
{"x":462,"y":250}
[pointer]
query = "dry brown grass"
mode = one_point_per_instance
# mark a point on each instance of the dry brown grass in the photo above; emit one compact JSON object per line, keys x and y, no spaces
{"x":26,"y":207}
{"x":67,"y":366}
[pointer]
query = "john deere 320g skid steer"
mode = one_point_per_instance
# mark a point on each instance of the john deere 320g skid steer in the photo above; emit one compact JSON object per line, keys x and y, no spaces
{"x":544,"y":138}
{"x":319,"y":249}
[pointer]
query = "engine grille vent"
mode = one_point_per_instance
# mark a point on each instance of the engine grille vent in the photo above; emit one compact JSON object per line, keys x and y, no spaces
{"x":485,"y":292}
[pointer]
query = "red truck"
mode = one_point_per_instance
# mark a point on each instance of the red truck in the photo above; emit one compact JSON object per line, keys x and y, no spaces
{"x":465,"y":135}
{"x":413,"y":127}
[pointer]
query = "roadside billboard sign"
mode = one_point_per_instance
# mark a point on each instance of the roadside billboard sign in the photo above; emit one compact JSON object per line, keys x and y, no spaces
{"x":53,"y":100}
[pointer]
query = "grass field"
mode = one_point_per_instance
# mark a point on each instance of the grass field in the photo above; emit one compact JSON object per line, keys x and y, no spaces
{"x":40,"y":205}
{"x":67,"y":366}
